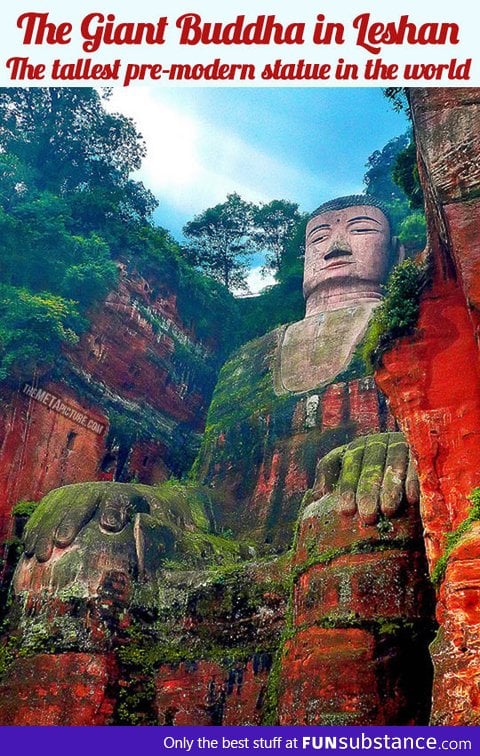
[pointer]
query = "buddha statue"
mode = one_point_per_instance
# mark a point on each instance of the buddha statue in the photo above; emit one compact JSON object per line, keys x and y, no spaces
{"x":293,"y":411}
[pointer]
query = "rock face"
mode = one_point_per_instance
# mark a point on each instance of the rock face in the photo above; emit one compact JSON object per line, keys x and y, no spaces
{"x":74,"y":689}
{"x":180,"y":630}
{"x":41,"y":448}
{"x":205,"y":693}
{"x":134,"y":393}
{"x":437,"y":400}
{"x":162,"y":586}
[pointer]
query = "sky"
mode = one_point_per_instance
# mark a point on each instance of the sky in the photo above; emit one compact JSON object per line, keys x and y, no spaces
{"x":305,"y":145}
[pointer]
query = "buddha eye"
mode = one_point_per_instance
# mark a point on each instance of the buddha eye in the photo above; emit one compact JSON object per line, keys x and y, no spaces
{"x":320,"y":238}
{"x":364,"y":230}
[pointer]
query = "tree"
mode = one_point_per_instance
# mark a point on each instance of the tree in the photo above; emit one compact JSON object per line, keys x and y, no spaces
{"x":220,"y":241}
{"x":412,"y":232}
{"x":392,"y":176}
{"x":32,"y":328}
{"x":378,"y":178}
{"x":283,"y":302}
{"x":71,"y":144}
{"x":405,"y":175}
{"x":275,"y":222}
{"x":398,"y":96}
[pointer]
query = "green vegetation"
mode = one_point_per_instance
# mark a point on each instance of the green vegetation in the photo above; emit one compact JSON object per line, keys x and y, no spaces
{"x":68,"y":211}
{"x":223,"y":238}
{"x":453,"y":538}
{"x":412,"y":233}
{"x":24,"y":508}
{"x":378,"y":179}
{"x":275,"y":223}
{"x":59,"y":150}
{"x":270,"y":704}
{"x":392,"y":176}
{"x":405,"y":175}
{"x":220,"y":240}
{"x":282,"y":302}
{"x":8,"y":652}
{"x":32,"y":327}
{"x":398,"y":313}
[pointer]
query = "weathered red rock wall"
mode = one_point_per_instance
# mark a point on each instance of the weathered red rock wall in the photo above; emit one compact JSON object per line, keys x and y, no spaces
{"x":437,"y":401}
{"x":131,"y":348}
{"x":361,"y":622}
{"x":206,"y":693}
{"x":139,"y":361}
{"x":41,"y":449}
{"x":432,"y":381}
{"x":49,"y":689}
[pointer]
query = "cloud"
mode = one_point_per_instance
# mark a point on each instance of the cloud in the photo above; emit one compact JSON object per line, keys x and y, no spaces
{"x":256,"y":281}
{"x":193,"y":164}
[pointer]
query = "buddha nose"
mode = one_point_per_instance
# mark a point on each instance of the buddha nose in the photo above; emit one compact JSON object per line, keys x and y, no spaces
{"x":338,"y":246}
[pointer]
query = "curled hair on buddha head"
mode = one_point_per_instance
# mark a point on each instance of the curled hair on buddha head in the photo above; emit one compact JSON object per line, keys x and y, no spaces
{"x":352,"y":200}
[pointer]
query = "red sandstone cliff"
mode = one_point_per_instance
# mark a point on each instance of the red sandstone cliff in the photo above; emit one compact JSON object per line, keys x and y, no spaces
{"x":432,"y":381}
{"x":139,"y":376}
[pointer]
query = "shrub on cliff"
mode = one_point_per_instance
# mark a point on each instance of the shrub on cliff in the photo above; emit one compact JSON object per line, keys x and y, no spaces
{"x":32,"y":327}
{"x":398,"y":313}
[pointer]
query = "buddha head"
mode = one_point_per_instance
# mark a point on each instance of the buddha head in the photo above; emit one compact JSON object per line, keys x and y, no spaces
{"x":348,"y":252}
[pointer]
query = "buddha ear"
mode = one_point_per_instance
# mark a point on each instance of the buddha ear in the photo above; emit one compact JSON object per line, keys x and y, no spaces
{"x":398,"y":251}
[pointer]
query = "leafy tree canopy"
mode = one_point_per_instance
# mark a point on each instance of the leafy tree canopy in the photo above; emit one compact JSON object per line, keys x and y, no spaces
{"x":283,"y":302}
{"x":68,"y":210}
{"x":274,"y":224}
{"x":378,"y":177}
{"x":392,"y":176}
{"x":32,"y":326}
{"x":405,"y":175}
{"x":71,"y":144}
{"x":221,"y":240}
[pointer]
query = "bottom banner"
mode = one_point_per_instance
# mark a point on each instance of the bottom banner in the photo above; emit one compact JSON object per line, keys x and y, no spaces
{"x":198,"y":740}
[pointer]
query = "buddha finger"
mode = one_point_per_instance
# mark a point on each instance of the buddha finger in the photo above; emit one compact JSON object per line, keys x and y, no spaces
{"x":393,"y":484}
{"x":412,"y":484}
{"x":371,"y":477}
{"x":328,"y":471}
{"x":40,"y":529}
{"x":349,"y":476}
{"x":114,"y":511}
{"x":82,"y":509}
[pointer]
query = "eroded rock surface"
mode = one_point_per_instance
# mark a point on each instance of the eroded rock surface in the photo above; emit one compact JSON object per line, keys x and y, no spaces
{"x":140,"y":374}
{"x":167,"y":580}
{"x":432,"y":381}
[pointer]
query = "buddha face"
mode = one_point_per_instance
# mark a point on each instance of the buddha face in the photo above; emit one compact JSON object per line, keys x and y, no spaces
{"x":346,"y":246}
